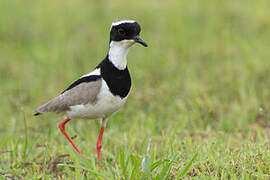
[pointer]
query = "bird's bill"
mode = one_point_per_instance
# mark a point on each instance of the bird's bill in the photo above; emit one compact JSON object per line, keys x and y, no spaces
{"x":138,"y":39}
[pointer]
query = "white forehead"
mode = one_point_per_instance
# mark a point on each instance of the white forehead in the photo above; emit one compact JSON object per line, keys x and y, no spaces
{"x":116,"y":23}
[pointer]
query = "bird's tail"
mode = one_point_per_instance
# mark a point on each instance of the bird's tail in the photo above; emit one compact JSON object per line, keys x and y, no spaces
{"x":42,"y":109}
{"x":57,"y":105}
{"x":37,"y":113}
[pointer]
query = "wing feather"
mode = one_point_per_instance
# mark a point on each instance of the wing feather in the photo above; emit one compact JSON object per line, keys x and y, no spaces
{"x":82,"y":91}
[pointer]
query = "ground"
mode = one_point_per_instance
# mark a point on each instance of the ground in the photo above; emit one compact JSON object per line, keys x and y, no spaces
{"x":199,"y":106}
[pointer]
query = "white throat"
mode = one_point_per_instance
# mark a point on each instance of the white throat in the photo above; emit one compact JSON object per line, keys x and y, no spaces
{"x":118,"y":53}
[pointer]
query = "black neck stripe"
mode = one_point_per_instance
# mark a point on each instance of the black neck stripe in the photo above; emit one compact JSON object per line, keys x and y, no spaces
{"x":118,"y":81}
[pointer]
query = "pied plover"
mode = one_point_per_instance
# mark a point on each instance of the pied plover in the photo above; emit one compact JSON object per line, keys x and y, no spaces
{"x":100,"y":93}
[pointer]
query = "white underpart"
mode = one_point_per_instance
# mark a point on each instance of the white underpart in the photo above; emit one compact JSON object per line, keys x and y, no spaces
{"x":116,"y":23}
{"x":95,"y":72}
{"x":105,"y":105}
{"x":118,"y":52}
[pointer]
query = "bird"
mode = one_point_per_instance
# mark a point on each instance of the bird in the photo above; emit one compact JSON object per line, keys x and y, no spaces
{"x":103,"y":91}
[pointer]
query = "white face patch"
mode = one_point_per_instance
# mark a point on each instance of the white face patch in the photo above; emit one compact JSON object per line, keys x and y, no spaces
{"x":126,"y":43}
{"x":116,"y":23}
{"x":118,"y":52}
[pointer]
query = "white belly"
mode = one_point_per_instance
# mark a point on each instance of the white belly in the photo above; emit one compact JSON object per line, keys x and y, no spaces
{"x":105,"y":105}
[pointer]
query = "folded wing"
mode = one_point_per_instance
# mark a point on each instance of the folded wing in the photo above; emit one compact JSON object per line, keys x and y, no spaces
{"x":82,"y":91}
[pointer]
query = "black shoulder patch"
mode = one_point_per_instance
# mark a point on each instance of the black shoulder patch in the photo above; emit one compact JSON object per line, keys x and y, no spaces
{"x":83,"y":80}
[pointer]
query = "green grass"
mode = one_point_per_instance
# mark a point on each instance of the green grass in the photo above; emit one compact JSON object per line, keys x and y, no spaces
{"x":199,"y":106}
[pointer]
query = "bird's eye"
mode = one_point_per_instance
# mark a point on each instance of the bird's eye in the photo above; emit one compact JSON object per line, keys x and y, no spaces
{"x":121,"y":32}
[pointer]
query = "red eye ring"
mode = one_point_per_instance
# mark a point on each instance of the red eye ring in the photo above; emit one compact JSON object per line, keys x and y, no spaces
{"x":121,"y":31}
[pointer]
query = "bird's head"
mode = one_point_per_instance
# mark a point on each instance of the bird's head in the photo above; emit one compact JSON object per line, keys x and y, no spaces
{"x":126,"y":33}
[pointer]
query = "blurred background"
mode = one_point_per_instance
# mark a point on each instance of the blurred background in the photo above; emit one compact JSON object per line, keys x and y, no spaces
{"x":204,"y":76}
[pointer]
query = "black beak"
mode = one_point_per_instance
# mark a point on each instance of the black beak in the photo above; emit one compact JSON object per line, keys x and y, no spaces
{"x":138,"y":39}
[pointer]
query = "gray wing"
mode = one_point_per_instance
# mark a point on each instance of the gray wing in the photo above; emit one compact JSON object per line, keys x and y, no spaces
{"x":83,"y":93}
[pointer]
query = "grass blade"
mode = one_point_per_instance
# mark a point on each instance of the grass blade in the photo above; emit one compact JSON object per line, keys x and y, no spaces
{"x":146,"y":167}
{"x":167,"y":167}
{"x":135,"y":170}
{"x":123,"y":162}
{"x":185,"y":170}
{"x":25,"y":145}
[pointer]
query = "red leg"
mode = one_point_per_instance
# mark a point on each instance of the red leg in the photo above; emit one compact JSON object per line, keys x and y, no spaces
{"x":99,"y":145}
{"x":62,"y":128}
